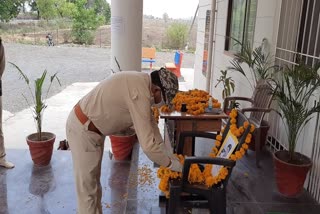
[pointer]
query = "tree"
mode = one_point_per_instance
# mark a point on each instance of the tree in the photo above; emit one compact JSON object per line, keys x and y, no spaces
{"x":85,"y":23}
{"x":34,"y":7}
{"x":165,"y":17}
{"x":9,"y":9}
{"x":47,"y":9}
{"x":177,"y":33}
{"x":50,"y":9}
{"x":102,"y":7}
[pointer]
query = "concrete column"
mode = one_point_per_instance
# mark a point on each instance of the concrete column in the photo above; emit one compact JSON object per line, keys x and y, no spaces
{"x":126,"y":34}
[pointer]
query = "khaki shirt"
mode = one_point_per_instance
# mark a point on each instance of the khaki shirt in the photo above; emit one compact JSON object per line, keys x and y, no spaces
{"x":123,"y":100}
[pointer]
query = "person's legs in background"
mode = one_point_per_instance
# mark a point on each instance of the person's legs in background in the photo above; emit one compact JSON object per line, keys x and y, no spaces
{"x":3,"y":161}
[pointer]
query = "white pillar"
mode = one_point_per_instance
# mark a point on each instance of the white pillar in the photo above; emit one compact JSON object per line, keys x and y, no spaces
{"x":126,"y":34}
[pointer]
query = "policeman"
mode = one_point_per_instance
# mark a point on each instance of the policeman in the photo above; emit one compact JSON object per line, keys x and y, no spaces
{"x":117,"y":103}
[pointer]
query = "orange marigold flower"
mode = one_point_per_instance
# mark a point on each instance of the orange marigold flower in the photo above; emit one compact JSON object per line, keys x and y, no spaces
{"x":218,"y":143}
{"x":245,"y":146}
{"x":219,"y":137}
{"x":233,"y":157}
{"x":242,"y":151}
{"x":233,"y":121}
{"x":238,"y":155}
{"x":246,"y":124}
{"x":252,"y":128}
{"x":248,"y":139}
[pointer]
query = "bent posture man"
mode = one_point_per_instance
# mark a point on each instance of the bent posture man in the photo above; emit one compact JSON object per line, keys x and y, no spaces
{"x":117,"y":103}
{"x":3,"y":161}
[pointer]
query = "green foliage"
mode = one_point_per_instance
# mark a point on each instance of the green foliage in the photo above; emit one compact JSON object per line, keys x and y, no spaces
{"x":102,"y":7}
{"x":85,"y":23}
{"x":47,"y":9}
{"x":50,"y":9}
{"x":177,"y":34}
{"x":9,"y":9}
{"x":38,"y":104}
{"x":295,"y":87}
{"x":259,"y":63}
{"x":227,"y":83}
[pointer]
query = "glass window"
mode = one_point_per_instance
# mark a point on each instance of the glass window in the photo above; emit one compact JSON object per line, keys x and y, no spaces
{"x":241,"y":23}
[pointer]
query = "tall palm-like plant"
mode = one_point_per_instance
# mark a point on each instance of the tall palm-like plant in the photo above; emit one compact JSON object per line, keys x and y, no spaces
{"x":258,"y":60}
{"x":38,"y":100}
{"x":296,"y":85}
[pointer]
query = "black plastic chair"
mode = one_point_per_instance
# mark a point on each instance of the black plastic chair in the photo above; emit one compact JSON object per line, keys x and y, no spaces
{"x":184,"y":194}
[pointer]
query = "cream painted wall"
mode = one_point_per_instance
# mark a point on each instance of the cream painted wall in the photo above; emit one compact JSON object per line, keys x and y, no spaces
{"x":266,"y":27}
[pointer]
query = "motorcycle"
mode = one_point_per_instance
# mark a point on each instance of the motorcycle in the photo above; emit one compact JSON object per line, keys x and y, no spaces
{"x":50,"y":40}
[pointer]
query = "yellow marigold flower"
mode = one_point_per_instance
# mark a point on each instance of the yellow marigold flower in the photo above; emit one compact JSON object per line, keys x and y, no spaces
{"x":219,"y":137}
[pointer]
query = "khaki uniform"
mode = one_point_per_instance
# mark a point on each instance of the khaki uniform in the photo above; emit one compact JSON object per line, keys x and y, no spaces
{"x":117,"y":103}
{"x":2,"y":66}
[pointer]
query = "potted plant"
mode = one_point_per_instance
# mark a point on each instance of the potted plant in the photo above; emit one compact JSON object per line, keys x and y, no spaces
{"x":295,"y":88}
{"x":40,"y":143}
{"x":228,"y":89}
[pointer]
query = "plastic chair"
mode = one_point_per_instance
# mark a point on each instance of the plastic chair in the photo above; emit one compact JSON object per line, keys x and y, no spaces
{"x":175,"y":67}
{"x":184,"y":194}
{"x":260,"y":105}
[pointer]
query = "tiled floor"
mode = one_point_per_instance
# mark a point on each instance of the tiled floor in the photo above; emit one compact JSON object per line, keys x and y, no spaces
{"x":131,"y":187}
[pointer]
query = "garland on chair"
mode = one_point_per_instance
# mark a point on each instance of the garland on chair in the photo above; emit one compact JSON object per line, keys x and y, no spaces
{"x":205,"y":177}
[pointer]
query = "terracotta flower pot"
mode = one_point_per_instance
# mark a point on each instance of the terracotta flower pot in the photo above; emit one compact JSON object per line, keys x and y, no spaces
{"x":41,"y":151}
{"x":290,"y":178}
{"x":122,"y":145}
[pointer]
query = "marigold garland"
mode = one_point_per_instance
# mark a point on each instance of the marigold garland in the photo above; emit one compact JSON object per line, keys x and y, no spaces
{"x":196,"y":101}
{"x":205,"y":177}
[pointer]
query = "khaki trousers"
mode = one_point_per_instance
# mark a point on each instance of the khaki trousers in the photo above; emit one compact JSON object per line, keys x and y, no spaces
{"x":2,"y":150}
{"x":87,"y":152}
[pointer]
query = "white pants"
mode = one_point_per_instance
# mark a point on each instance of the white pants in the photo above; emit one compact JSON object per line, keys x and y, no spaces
{"x":87,"y":151}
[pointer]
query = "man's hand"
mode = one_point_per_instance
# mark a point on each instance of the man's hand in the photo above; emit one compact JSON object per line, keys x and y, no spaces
{"x":175,"y":165}
{"x":168,"y":152}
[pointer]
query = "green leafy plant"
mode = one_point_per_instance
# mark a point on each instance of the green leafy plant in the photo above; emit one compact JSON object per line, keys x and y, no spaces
{"x":295,"y":87}
{"x":38,"y":104}
{"x":177,"y":34}
{"x":228,"y":88}
{"x":259,"y":62}
{"x":227,"y":83}
{"x":85,"y":23}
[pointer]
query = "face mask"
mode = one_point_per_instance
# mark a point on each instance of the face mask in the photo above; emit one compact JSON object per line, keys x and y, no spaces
{"x":157,"y":105}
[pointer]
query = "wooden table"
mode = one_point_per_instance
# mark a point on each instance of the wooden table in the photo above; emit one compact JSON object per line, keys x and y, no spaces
{"x":177,"y":122}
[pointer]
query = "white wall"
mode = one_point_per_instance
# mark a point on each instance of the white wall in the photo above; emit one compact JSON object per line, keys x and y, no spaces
{"x":199,"y":78}
{"x":266,"y":27}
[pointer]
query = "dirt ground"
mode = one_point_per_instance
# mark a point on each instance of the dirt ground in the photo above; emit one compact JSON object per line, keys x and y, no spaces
{"x":73,"y":64}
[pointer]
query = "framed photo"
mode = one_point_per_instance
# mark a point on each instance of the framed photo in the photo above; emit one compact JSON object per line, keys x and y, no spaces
{"x":228,"y":146}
